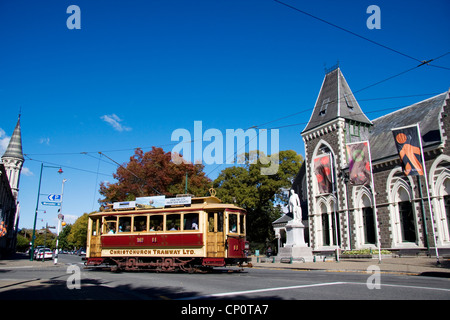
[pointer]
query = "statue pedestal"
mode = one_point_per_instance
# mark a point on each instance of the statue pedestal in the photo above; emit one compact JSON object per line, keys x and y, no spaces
{"x":295,"y":246}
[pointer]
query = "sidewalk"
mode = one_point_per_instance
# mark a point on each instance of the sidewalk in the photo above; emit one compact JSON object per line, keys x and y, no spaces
{"x":22,"y":260}
{"x":425,"y":266}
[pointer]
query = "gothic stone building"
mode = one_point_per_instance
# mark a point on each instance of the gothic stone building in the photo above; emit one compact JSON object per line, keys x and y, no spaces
{"x":347,"y":217}
{"x":10,"y":168}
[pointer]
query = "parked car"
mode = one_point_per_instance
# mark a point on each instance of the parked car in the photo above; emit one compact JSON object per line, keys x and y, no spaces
{"x":46,"y":252}
{"x":81,"y":252}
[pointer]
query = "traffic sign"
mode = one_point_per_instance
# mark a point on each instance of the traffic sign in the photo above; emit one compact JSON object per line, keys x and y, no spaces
{"x":54,"y":197}
{"x":46,"y":203}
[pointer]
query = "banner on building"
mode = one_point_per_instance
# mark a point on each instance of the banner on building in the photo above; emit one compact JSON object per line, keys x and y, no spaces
{"x":3,"y":227}
{"x":323,"y":173}
{"x":408,"y":143}
{"x":359,"y":163}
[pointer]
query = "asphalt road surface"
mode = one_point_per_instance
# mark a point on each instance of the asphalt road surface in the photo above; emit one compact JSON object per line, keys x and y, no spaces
{"x":69,"y":280}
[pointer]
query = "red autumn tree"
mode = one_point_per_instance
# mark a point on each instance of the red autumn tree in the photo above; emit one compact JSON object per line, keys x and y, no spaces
{"x":153,"y":173}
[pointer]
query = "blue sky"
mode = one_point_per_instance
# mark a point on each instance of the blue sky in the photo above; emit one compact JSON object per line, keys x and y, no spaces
{"x":138,"y":70}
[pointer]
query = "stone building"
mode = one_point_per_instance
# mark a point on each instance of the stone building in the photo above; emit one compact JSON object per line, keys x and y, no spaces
{"x":347,"y":217}
{"x":10,"y":168}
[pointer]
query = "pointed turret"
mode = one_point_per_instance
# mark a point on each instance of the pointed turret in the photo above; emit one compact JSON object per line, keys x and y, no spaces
{"x":13,"y":159}
{"x":335,"y":100}
{"x":14,"y":149}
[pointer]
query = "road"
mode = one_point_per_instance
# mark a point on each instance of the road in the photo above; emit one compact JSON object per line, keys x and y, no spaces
{"x":256,"y":284}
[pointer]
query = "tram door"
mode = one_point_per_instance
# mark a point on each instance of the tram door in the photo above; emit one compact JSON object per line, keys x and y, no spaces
{"x":94,"y":245}
{"x":216,"y":236}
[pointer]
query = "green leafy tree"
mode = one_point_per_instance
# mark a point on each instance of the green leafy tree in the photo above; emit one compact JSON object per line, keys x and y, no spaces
{"x":261,"y":195}
{"x":44,"y":237}
{"x":22,"y":244}
{"x":64,"y":242}
{"x":78,"y":232}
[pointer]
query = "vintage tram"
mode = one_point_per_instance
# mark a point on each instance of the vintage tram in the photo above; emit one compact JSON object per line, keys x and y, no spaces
{"x":196,"y":235}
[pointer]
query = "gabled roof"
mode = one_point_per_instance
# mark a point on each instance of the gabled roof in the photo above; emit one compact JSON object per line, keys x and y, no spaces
{"x":426,"y":113}
{"x":14,"y":149}
{"x":335,"y":100}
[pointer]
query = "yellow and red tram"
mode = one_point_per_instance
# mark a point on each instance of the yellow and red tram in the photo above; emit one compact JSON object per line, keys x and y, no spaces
{"x":201,"y":234}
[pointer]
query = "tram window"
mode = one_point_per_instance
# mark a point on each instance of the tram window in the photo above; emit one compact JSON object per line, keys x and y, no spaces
{"x":140,"y":223}
{"x":211,"y":222}
{"x":219,"y":221}
{"x":215,"y":226}
{"x":190,"y":221}
{"x":232,"y":223}
{"x":173,"y":222}
{"x":94,"y":227}
{"x":242,"y":223}
{"x":156,"y":222}
{"x":124,"y":224}
{"x":110,"y":225}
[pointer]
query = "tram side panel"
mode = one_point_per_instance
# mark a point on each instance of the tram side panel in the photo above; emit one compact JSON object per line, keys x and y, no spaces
{"x":153,"y":245}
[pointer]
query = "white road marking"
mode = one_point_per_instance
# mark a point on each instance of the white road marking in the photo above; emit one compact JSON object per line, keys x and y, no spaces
{"x":224,"y":294}
{"x":404,"y":286}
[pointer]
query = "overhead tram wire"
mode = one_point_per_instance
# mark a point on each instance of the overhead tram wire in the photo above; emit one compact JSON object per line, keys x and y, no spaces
{"x":89,"y":153}
{"x":422,"y":63}
{"x":98,"y":158}
{"x":96,"y":181}
{"x":137,"y":177}
{"x":365,"y":38}
{"x":436,"y":66}
{"x":348,"y":31}
{"x":367,"y":112}
{"x":66,"y":166}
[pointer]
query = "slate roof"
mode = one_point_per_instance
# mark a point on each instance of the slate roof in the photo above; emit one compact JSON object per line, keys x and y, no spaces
{"x":14,"y":149}
{"x":283,"y":220}
{"x":335,"y":100}
{"x":426,"y":113}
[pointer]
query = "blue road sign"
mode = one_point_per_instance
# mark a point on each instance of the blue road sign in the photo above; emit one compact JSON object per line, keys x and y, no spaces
{"x":54,"y":197}
{"x":46,"y":203}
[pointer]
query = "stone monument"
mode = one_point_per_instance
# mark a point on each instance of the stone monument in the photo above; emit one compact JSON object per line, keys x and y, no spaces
{"x":295,"y":248}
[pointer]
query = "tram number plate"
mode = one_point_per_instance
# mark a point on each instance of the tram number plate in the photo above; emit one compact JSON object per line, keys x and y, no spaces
{"x":140,"y":239}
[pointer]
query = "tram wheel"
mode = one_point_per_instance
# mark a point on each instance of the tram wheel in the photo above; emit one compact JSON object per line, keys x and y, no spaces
{"x":115,"y":269}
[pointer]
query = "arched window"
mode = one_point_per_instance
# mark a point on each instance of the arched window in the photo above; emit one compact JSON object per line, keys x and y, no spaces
{"x":408,"y":226}
{"x":325,"y":225}
{"x":369,"y":225}
{"x":440,"y":190}
{"x":406,"y":217}
{"x":402,"y":209}
{"x":365,"y":220}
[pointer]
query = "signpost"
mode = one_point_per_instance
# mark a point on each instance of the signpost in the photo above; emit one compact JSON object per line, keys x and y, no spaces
{"x":46,"y":203}
{"x":54,"y":197}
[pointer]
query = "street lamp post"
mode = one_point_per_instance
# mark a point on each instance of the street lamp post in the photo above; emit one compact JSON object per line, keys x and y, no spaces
{"x":37,"y":207}
{"x":60,"y":218}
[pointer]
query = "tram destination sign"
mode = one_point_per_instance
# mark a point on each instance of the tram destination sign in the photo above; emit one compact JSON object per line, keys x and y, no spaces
{"x":153,"y":202}
{"x":178,"y":201}
{"x":124,"y":205}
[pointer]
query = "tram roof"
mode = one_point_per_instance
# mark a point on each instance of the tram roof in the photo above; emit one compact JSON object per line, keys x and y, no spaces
{"x":197,"y":203}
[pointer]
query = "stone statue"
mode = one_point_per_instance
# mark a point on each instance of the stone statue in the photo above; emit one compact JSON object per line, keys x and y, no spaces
{"x":294,"y":206}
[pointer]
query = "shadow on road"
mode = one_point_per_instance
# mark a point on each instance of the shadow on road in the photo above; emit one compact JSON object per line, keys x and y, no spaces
{"x":92,"y":289}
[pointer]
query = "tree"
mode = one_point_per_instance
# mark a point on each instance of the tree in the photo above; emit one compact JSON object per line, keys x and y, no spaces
{"x":22,"y":243}
{"x":64,"y":243}
{"x":78,"y":232}
{"x":261,"y":195}
{"x":154,"y":173}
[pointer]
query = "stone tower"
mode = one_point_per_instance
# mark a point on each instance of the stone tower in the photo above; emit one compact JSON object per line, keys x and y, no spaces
{"x":13,"y":159}
{"x":336,"y":120}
